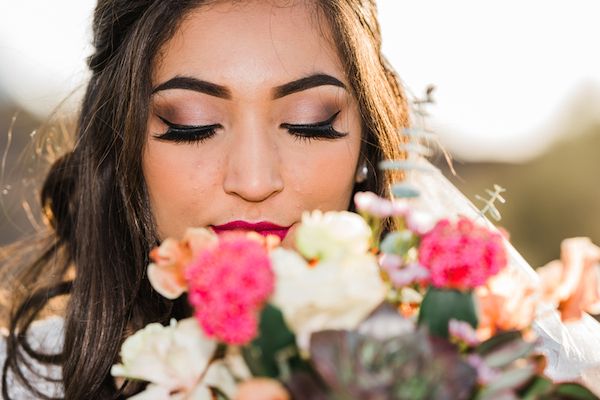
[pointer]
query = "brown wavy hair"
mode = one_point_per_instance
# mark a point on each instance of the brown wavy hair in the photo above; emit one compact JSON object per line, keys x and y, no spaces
{"x":96,"y":202}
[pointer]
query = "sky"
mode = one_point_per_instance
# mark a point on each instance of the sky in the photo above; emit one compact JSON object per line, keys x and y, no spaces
{"x":504,"y":70}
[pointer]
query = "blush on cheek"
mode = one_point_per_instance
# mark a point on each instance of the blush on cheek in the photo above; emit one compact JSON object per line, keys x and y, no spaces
{"x":329,"y":180}
{"x":177,"y":185}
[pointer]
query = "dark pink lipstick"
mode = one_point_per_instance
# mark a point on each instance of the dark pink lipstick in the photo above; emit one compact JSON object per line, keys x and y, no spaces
{"x":264,"y":228}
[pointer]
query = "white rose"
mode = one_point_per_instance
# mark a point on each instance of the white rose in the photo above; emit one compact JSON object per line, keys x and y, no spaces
{"x":173,"y":359}
{"x":332,"y":235}
{"x":333,"y":294}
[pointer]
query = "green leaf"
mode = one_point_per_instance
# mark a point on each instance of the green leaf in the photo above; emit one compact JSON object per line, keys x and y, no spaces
{"x":439,"y":306}
{"x":398,"y":242}
{"x":508,"y":353}
{"x":539,"y":386}
{"x":498,"y":341}
{"x":274,"y":352}
{"x":508,"y":380}
{"x":572,"y":391}
{"x":405,"y":191}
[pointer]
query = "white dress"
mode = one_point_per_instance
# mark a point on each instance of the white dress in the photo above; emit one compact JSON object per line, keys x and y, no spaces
{"x":44,"y":336}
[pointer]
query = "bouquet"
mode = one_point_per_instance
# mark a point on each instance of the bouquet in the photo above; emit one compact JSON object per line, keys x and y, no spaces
{"x":387,"y":303}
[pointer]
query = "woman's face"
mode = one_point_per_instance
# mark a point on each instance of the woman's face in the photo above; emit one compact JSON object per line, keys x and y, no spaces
{"x":251,"y":120}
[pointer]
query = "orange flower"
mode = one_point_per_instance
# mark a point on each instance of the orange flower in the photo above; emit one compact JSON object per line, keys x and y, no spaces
{"x":507,"y":301}
{"x":166,"y":273}
{"x":573,"y":283}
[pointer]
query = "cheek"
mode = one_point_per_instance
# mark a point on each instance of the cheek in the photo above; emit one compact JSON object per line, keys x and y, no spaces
{"x":180,"y":183}
{"x":324,"y":175}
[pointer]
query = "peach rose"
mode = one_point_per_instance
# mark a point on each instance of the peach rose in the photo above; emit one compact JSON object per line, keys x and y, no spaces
{"x":507,"y":301}
{"x":166,"y":273}
{"x":573,"y":283}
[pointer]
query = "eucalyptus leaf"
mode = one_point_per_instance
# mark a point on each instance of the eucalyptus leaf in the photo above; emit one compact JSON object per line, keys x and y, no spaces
{"x":399,"y":242}
{"x":404,"y":165}
{"x":405,"y":191}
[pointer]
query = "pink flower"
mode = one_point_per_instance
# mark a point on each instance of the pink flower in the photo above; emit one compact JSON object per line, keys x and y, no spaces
{"x":463,"y":332}
{"x":461,"y":255}
{"x":370,"y":203}
{"x":485,"y":374}
{"x":401,"y":275}
{"x":228,"y":284}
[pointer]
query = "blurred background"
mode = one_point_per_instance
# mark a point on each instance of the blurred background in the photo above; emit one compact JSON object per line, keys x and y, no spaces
{"x":517,"y":103}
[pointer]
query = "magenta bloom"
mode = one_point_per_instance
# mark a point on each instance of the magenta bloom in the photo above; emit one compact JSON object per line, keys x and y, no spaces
{"x":462,"y":255}
{"x":228,"y":285}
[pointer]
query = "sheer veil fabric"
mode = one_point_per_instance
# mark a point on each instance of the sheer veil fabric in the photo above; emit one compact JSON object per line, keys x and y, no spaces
{"x":572,"y":349}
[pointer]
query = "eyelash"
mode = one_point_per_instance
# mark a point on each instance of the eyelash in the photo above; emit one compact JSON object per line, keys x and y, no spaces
{"x":197,"y":134}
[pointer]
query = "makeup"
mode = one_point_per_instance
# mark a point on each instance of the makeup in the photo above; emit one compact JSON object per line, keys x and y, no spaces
{"x":319,"y":130}
{"x":264,"y":228}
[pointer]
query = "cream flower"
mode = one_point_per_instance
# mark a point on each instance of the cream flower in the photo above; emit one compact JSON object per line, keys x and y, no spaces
{"x":175,"y":360}
{"x":332,"y":234}
{"x":332,"y":294}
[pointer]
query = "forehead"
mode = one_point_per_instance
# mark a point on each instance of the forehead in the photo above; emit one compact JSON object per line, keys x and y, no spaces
{"x":251,"y":44}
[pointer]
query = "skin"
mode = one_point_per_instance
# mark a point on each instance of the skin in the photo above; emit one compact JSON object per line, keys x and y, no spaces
{"x":252,"y":169}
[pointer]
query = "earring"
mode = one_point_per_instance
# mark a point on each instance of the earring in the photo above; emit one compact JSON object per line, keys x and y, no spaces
{"x":362,"y":173}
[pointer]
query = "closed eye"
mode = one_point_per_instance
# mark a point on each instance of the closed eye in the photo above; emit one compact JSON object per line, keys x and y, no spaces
{"x":186,"y":133}
{"x":320,"y":130}
{"x":177,"y":133}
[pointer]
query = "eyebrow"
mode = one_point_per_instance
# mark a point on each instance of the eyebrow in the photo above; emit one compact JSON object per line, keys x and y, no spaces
{"x":197,"y":85}
{"x":306,"y":83}
{"x":212,"y":89}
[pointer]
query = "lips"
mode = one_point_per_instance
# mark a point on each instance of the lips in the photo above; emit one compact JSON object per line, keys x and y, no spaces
{"x":264,"y":228}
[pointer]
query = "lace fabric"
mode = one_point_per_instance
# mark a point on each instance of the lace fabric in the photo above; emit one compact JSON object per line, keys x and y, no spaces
{"x":44,"y":336}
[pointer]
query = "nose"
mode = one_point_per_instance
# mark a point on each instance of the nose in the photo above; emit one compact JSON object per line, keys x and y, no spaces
{"x":253,"y":165}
